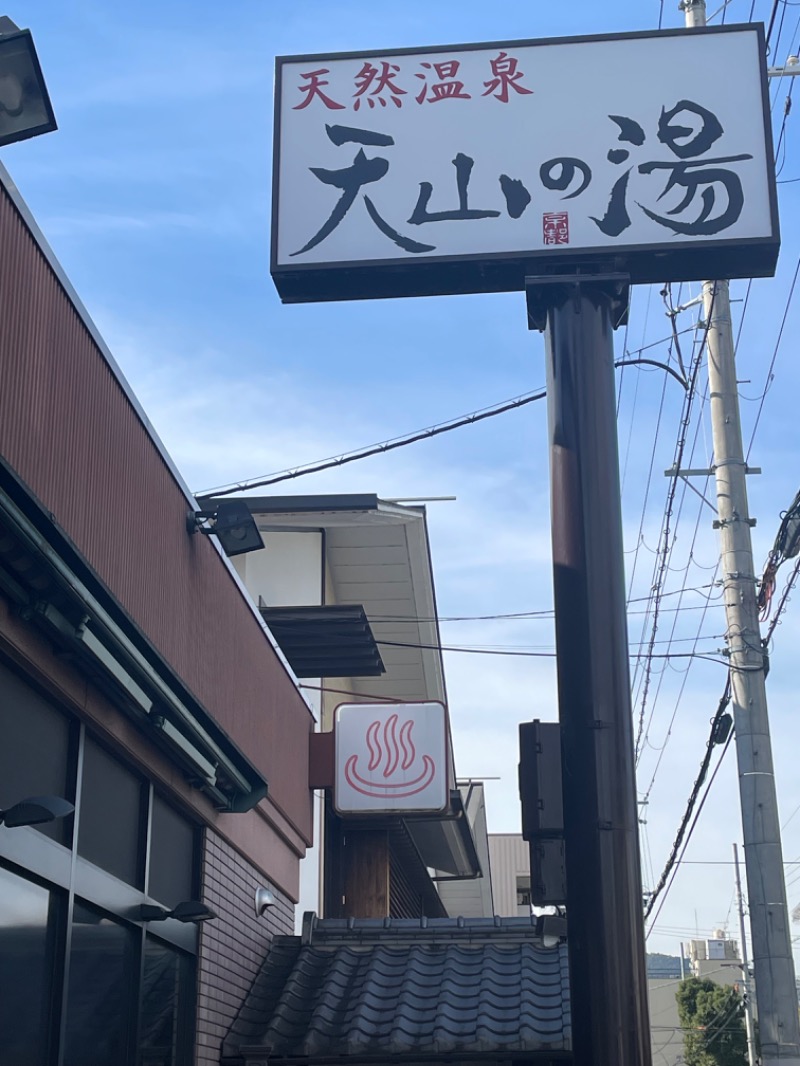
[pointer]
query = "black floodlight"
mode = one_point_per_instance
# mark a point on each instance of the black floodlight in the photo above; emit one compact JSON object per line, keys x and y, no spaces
{"x":35,"y":810}
{"x":189,"y":911}
{"x":234,"y":525}
{"x":150,"y":912}
{"x":552,"y":928}
{"x":192,"y":911}
{"x":25,"y":108}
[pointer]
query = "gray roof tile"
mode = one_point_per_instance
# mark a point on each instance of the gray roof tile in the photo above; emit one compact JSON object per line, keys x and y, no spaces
{"x":402,"y":989}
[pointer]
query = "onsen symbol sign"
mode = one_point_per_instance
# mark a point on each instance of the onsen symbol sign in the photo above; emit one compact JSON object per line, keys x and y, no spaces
{"x":390,"y":758}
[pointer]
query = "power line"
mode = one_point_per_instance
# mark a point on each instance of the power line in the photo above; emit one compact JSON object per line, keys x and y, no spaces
{"x":676,"y":613}
{"x":691,"y":829}
{"x":712,"y":654}
{"x":687,"y":814}
{"x":378,"y":449}
{"x":411,"y":438}
{"x":666,"y":530}
{"x":672,"y":861}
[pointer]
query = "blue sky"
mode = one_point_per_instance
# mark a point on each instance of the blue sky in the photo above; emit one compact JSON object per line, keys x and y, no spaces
{"x":155,"y":195}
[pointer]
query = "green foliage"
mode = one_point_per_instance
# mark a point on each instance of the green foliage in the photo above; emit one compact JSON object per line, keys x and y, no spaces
{"x":712,"y":1017}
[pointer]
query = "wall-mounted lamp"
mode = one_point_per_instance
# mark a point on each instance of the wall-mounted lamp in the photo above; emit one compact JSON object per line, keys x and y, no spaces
{"x":25,"y":108}
{"x":234,"y":525}
{"x":35,"y":810}
{"x":552,"y":928}
{"x":190,"y":910}
{"x":264,"y":900}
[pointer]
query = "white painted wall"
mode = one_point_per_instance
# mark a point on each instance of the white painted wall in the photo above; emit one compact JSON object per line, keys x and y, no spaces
{"x":510,"y":858}
{"x":665,"y":1032}
{"x":287,"y":572}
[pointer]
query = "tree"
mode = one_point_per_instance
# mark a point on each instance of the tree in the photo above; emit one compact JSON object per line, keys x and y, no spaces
{"x":712,"y":1017}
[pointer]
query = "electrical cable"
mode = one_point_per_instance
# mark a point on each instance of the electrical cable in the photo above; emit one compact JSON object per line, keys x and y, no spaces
{"x":665,"y":538}
{"x":705,"y":607}
{"x":640,"y":539}
{"x":376,"y":449}
{"x":709,"y":655}
{"x":638,"y":378}
{"x":786,"y":546}
{"x":681,"y":690}
{"x":771,"y":22}
{"x":782,"y":604}
{"x":711,"y":743}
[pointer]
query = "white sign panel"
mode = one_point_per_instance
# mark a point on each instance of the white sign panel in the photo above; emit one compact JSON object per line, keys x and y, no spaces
{"x":466,"y":168}
{"x":390,"y":758}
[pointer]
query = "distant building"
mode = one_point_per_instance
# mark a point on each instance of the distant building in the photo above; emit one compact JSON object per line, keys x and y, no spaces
{"x":717,"y":958}
{"x":714,"y":959}
{"x":345,"y":583}
{"x":663,"y":967}
{"x":509,"y":857}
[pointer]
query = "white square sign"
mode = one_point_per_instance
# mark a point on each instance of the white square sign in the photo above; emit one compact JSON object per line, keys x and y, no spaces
{"x":390,"y":758}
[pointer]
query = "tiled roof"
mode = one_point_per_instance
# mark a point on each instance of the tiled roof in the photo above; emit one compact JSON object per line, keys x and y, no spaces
{"x":391,"y":990}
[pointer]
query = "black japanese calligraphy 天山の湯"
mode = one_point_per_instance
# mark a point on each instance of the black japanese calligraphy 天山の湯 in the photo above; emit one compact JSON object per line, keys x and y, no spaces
{"x":483,"y":153}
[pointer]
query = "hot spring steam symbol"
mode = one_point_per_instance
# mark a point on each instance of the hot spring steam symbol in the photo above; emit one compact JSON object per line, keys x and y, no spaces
{"x":398,"y":753}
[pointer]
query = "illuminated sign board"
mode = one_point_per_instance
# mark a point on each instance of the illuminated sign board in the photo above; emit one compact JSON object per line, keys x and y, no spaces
{"x":390,"y":758}
{"x":466,"y":168}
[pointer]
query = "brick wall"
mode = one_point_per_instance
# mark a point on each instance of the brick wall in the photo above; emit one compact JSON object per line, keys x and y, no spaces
{"x":233,"y":946}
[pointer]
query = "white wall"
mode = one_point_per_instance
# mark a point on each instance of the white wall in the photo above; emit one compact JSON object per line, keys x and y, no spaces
{"x":287,"y":572}
{"x":510,"y":858}
{"x":665,"y":1031}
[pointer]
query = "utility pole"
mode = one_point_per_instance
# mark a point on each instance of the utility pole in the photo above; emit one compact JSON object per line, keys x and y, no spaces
{"x":748,"y":1002}
{"x":776,"y":995}
{"x":607,"y":969}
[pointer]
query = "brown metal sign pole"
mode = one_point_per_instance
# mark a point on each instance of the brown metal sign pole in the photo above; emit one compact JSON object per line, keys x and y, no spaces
{"x":604,"y":898}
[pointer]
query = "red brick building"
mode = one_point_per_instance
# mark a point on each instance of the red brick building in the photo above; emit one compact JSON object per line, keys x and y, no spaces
{"x":138,"y":682}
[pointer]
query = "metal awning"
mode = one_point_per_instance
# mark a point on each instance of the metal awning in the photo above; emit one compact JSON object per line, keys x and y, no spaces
{"x":328,"y":641}
{"x":53,"y":587}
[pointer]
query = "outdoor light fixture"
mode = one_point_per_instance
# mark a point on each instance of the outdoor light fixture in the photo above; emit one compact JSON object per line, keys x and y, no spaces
{"x":189,"y":911}
{"x":264,"y":900}
{"x":35,"y":810}
{"x":552,"y":928}
{"x":25,"y":108}
{"x":234,"y":525}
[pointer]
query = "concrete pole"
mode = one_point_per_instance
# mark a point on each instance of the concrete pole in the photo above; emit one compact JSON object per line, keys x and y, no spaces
{"x":776,"y":995}
{"x":748,"y":1002}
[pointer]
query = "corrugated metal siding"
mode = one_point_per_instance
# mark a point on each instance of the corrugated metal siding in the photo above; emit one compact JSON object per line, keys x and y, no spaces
{"x":509,"y":857}
{"x":72,"y":435}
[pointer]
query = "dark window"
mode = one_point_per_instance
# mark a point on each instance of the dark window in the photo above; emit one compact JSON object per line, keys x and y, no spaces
{"x":172,"y":855}
{"x":26,"y":968}
{"x":101,"y":992}
{"x":110,"y":832}
{"x":35,"y":753}
{"x":523,"y":891}
{"x":164,"y":1024}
